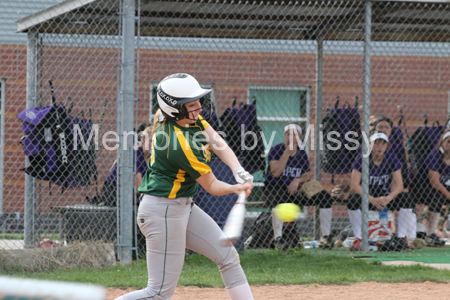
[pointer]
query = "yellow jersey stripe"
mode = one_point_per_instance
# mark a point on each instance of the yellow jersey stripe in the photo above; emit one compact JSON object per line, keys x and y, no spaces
{"x":200,"y":167}
{"x":204,"y":123}
{"x":152,"y":158}
{"x":168,"y":144}
{"x":177,"y":184}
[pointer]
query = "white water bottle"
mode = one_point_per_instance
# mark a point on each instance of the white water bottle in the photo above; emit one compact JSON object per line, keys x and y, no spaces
{"x":307,"y":244}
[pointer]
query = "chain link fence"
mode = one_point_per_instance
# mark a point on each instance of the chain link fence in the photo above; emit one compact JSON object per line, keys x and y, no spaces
{"x":269,"y":64}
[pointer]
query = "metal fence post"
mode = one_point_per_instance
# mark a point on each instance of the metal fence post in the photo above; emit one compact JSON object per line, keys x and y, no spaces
{"x":366,"y":113}
{"x":318,"y":153}
{"x":127,"y":108}
{"x":2,"y":144}
{"x":30,"y":182}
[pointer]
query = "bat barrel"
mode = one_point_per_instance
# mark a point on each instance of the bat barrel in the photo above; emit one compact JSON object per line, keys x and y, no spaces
{"x":235,"y":221}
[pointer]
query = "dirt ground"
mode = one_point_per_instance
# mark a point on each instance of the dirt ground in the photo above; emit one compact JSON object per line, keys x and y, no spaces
{"x":358,"y":291}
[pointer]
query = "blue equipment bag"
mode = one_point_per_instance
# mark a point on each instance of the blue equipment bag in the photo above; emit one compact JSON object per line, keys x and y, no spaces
{"x":48,"y":142}
{"x":423,"y":141}
{"x":50,"y":148}
{"x":341,"y":120}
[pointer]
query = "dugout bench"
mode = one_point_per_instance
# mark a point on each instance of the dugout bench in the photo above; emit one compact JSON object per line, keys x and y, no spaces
{"x":87,"y":222}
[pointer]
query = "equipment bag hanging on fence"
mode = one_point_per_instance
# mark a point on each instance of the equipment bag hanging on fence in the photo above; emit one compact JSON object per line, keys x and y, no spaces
{"x":343,"y":126}
{"x":253,"y":153}
{"x":244,"y":135}
{"x":396,"y":147}
{"x":423,"y":141}
{"x":48,"y":142}
{"x":230,"y":127}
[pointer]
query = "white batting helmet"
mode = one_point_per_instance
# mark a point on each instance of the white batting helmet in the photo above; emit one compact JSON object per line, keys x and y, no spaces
{"x":176,"y":90}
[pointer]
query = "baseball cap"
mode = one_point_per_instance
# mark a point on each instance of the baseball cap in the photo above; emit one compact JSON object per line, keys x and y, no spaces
{"x":294,"y":127}
{"x":379,"y":135}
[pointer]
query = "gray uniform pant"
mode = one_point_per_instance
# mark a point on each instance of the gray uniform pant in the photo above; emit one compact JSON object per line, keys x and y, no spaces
{"x":170,"y":226}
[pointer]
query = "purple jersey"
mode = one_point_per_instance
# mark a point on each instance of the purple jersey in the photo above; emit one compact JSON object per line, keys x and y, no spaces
{"x":399,"y":152}
{"x":434,"y":162}
{"x":380,"y":177}
{"x":396,"y":140}
{"x":141,"y":166}
{"x":296,"y":165}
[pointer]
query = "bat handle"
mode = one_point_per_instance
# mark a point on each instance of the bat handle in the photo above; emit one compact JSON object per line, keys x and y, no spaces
{"x":242,"y":197}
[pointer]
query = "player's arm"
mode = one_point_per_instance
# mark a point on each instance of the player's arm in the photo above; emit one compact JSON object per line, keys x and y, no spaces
{"x":277,"y":166}
{"x":397,"y":185}
{"x":221,"y":149}
{"x":194,"y":163}
{"x":138,"y":181}
{"x":297,"y":182}
{"x":216,"y":187}
{"x":141,"y":167}
{"x":304,"y":178}
{"x":436,"y":183}
{"x":355,"y":186}
{"x":224,"y":152}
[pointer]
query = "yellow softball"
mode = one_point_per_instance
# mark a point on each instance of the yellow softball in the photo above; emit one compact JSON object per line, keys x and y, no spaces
{"x":287,"y":212}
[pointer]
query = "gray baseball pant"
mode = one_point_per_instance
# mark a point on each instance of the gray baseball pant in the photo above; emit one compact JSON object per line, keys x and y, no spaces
{"x":170,"y":226}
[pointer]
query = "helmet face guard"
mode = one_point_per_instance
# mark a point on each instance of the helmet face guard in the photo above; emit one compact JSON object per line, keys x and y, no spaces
{"x":185,"y":114}
{"x":176,"y":90}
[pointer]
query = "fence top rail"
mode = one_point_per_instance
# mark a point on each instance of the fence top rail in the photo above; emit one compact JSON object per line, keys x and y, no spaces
{"x":290,"y":20}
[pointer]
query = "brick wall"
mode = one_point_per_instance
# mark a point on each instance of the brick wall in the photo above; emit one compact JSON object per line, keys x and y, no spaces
{"x":88,"y":76}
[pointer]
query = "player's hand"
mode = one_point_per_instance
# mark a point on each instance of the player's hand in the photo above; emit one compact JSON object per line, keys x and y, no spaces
{"x":247,"y":187}
{"x":377,"y":202}
{"x":384,"y":200}
{"x":294,"y":187}
{"x":289,"y":148}
{"x":243,"y":176}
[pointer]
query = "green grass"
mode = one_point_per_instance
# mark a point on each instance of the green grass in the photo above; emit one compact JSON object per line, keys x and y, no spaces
{"x":261,"y":267}
{"x":12,"y":236}
{"x":21,"y":236}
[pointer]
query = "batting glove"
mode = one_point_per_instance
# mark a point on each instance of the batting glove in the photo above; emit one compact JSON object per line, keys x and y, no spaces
{"x":243,"y":176}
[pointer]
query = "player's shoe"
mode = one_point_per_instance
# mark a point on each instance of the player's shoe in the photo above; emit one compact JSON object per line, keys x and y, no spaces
{"x":421,"y":235}
{"x":405,"y":244}
{"x":433,"y":241}
{"x":343,"y":235}
{"x":356,"y":245}
{"x":395,"y":244}
{"x":326,"y":242}
{"x":281,"y":244}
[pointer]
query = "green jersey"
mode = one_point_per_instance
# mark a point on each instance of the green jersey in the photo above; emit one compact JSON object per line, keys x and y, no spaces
{"x":179,"y":156}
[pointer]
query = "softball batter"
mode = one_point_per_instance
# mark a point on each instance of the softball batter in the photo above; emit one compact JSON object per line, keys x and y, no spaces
{"x":167,"y":216}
